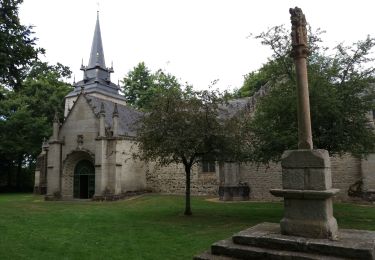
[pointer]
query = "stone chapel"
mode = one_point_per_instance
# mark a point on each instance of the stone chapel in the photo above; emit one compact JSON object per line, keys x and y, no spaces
{"x":89,"y":154}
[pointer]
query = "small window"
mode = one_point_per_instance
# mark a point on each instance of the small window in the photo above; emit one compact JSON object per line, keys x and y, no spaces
{"x":208,"y":166}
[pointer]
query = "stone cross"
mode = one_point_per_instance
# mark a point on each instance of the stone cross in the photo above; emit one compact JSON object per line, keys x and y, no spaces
{"x":299,"y":53}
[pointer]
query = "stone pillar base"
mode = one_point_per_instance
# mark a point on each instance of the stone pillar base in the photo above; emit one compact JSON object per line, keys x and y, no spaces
{"x":310,"y":228}
{"x":307,"y":191}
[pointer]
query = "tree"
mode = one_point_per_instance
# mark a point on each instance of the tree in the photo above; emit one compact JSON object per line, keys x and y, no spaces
{"x":182,"y":127}
{"x":341,"y":94}
{"x":26,"y":116}
{"x":17,"y":45}
{"x":140,"y":85}
{"x":136,"y":82}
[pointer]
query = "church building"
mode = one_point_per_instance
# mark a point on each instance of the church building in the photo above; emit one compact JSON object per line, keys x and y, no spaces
{"x":89,"y":155}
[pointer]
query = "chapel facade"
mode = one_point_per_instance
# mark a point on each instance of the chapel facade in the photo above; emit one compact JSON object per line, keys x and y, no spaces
{"x":89,"y":155}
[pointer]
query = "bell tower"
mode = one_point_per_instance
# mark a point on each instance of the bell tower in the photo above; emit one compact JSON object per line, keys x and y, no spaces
{"x":96,"y":76}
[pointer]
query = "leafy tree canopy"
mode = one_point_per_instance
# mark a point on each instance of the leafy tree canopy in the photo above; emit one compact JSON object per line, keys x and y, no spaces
{"x":17,"y":45}
{"x":341,"y":95}
{"x":140,"y":85}
{"x":183,"y":126}
{"x":26,"y":115}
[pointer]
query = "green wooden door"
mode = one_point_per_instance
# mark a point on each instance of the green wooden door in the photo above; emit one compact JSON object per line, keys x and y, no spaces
{"x":84,"y":180}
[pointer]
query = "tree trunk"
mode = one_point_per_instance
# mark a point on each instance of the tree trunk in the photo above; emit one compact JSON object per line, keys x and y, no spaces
{"x":19,"y":169}
{"x":10,"y":173}
{"x":187,"y":194}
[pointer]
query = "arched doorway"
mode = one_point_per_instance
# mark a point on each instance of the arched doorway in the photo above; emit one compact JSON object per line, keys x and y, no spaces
{"x":84,"y":180}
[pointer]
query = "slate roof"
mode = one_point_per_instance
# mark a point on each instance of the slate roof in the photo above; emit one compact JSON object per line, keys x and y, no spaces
{"x":96,"y":76}
{"x":128,"y":117}
{"x":97,"y":53}
{"x":233,"y":106}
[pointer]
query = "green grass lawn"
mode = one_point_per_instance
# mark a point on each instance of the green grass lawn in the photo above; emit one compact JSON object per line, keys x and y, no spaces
{"x":148,"y":227}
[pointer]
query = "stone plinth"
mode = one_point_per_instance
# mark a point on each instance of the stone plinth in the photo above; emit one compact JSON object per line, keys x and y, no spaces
{"x":307,"y":191}
{"x":229,"y":193}
{"x":230,"y":186}
{"x":265,"y":241}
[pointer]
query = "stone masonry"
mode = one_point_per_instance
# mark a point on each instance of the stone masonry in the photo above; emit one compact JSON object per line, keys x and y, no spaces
{"x":346,"y":171}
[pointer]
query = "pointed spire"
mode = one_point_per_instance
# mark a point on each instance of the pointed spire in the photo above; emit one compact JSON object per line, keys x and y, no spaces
{"x":97,"y":54}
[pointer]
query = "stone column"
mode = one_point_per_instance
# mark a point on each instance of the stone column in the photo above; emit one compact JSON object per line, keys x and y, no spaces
{"x":299,"y":53}
{"x":101,"y":177}
{"x":115,"y":121}
{"x":306,"y":173}
{"x":101,"y":162}
{"x":102,"y":121}
{"x":54,"y":163}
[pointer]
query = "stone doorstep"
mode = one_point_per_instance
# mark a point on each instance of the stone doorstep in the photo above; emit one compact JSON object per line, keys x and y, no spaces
{"x":227,"y":248}
{"x":352,"y":244}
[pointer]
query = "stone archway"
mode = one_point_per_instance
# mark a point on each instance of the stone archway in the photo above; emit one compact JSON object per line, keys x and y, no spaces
{"x":84,"y":180}
{"x":68,"y":174}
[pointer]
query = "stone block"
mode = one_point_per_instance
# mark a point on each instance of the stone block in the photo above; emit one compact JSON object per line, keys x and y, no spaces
{"x":293,"y":178}
{"x":309,"y":219}
{"x":307,"y":193}
{"x":324,"y":229}
{"x":307,"y":179}
{"x":318,"y":179}
{"x":314,"y":210}
{"x":305,"y":159}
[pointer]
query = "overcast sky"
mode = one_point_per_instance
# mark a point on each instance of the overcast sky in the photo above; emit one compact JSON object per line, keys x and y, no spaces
{"x":196,"y":40}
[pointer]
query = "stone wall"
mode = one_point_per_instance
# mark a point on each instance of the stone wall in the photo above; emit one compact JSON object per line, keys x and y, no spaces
{"x":261,"y":179}
{"x":171,"y":180}
{"x":133,"y":177}
{"x":346,"y":171}
{"x":368,"y":173}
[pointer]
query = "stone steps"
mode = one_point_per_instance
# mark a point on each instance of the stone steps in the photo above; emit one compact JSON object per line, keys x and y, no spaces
{"x":264,"y":241}
{"x":208,"y":256}
{"x":229,"y":248}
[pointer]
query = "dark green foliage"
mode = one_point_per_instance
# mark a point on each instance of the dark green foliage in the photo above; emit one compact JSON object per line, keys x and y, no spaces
{"x":253,"y":82}
{"x":140,"y":85}
{"x":26,"y":118}
{"x":182,"y":127}
{"x":17,"y":45}
{"x":341,"y":94}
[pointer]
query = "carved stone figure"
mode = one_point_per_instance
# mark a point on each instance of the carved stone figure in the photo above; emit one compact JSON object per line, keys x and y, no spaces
{"x":299,"y":33}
